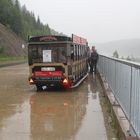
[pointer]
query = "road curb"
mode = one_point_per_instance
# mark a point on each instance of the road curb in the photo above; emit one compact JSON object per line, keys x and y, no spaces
{"x":12,"y":63}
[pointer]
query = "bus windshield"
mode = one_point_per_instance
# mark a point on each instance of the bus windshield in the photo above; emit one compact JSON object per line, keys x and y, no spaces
{"x":47,"y":53}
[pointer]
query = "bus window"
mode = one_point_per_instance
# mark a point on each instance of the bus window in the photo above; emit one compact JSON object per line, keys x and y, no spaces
{"x":72,"y":53}
{"x":82,"y":51}
{"x":75,"y":52}
{"x":33,"y":55}
{"x":54,"y":55}
{"x":78,"y":50}
{"x":46,"y":53}
{"x":62,"y":57}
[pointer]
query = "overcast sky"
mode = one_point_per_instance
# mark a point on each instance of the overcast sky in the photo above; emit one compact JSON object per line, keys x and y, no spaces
{"x":97,"y":20}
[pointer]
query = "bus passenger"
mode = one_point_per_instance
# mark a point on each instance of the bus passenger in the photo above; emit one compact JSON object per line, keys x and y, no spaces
{"x":54,"y":55}
{"x":62,"y":57}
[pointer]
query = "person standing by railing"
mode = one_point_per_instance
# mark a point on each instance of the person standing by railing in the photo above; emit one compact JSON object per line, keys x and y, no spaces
{"x":93,"y":59}
{"x":88,"y":57}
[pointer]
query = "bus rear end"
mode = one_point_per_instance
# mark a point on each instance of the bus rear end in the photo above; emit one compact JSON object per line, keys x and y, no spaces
{"x":47,"y":58}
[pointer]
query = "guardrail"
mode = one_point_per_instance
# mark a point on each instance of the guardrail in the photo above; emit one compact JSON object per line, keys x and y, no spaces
{"x":123,"y":78}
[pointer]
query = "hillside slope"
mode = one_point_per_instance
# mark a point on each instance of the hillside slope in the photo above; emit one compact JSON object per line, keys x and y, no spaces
{"x":10,"y":43}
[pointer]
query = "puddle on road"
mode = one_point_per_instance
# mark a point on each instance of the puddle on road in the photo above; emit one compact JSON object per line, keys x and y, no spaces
{"x":93,"y":123}
{"x":15,"y":123}
{"x":53,"y":115}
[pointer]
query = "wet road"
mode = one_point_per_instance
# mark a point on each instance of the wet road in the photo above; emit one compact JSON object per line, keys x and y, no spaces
{"x":49,"y":115}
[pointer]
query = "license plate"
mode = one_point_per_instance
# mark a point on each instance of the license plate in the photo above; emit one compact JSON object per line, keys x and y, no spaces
{"x":48,"y":69}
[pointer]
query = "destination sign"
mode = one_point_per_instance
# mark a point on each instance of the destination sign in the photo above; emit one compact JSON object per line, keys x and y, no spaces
{"x":79,"y":40}
{"x":47,"y":38}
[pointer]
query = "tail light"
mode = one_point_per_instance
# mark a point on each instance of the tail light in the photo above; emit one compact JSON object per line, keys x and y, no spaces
{"x":66,"y":83}
{"x":31,"y":81}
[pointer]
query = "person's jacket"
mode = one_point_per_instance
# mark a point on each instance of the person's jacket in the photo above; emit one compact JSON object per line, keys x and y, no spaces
{"x":94,"y":57}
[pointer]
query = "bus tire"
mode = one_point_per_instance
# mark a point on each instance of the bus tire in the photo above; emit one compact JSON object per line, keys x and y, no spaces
{"x":38,"y":87}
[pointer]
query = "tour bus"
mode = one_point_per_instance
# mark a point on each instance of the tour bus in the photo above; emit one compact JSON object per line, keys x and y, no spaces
{"x":57,"y":61}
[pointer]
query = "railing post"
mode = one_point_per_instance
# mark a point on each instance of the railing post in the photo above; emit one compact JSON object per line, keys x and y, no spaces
{"x":131,"y":130}
{"x":115,"y":82}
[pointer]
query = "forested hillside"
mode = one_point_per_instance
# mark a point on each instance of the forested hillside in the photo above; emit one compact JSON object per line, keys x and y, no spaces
{"x":10,"y":43}
{"x":20,"y":20}
{"x":16,"y":23}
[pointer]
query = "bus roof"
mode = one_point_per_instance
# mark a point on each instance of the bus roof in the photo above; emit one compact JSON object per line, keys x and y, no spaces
{"x":54,"y":38}
{"x":48,"y":38}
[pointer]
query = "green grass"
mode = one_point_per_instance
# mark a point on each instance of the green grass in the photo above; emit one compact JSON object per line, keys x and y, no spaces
{"x":11,"y":58}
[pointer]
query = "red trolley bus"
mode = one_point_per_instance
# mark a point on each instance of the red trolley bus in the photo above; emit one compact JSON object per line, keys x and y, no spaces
{"x":58,"y":61}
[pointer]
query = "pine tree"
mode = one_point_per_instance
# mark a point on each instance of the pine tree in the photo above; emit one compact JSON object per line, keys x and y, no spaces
{"x":115,"y":54}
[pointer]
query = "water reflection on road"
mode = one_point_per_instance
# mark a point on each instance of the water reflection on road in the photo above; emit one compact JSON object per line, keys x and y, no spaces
{"x":93,"y":124}
{"x":49,"y":115}
{"x":59,"y":114}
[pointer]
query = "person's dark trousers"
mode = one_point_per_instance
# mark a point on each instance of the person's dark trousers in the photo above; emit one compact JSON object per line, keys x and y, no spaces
{"x":91,"y":68}
{"x":94,"y":66}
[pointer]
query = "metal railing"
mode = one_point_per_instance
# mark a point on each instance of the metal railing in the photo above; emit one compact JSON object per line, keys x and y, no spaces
{"x":123,"y":78}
